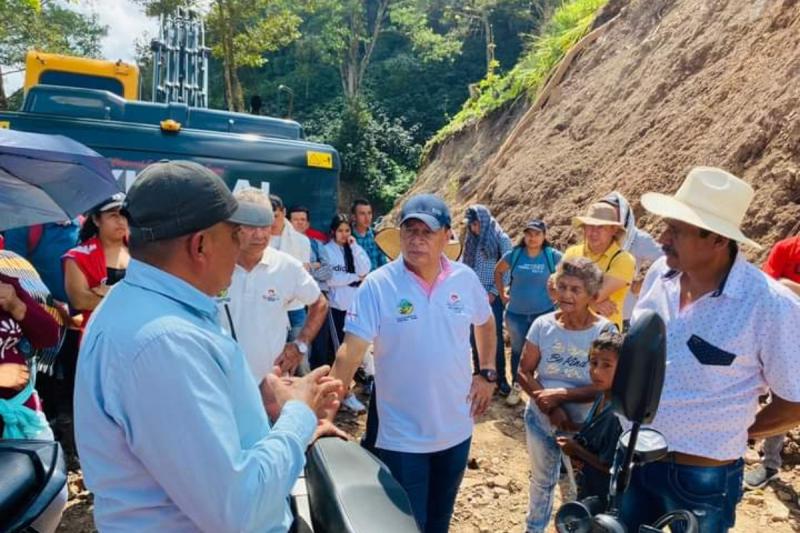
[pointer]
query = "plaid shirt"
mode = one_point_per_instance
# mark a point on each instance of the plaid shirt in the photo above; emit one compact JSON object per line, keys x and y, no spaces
{"x":484,"y":266}
{"x":367,"y":242}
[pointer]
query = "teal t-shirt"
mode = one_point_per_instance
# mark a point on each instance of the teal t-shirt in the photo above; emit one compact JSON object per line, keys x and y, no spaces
{"x":529,"y":275}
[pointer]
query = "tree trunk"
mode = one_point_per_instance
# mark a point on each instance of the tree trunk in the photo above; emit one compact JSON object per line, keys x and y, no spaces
{"x":238,"y":93}
{"x":3,"y":99}
{"x":226,"y":52}
{"x":488,"y":33}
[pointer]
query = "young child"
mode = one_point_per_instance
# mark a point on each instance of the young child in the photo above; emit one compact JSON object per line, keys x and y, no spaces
{"x":592,"y":448}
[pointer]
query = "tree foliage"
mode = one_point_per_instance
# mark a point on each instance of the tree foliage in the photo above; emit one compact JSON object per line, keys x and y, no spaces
{"x":44,"y":25}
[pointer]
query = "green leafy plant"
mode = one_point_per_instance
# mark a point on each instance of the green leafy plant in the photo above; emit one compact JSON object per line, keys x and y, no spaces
{"x":568,"y":24}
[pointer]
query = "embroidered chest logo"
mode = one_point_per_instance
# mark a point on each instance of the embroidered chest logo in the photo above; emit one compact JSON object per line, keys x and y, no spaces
{"x":271,"y":295}
{"x":454,"y":303}
{"x":406,"y":311}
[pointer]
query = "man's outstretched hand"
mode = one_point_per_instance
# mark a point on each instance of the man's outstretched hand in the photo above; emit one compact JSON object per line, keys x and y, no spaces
{"x":316,"y":389}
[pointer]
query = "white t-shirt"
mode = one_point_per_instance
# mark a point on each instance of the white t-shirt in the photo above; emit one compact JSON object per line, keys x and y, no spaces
{"x":564,"y":361}
{"x":723,"y":351}
{"x":340,"y":293}
{"x":423,"y":364}
{"x":257,"y":301}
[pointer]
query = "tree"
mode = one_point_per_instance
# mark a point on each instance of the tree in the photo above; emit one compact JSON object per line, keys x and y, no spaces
{"x":348,"y":32}
{"x":244,"y":30}
{"x":44,"y":25}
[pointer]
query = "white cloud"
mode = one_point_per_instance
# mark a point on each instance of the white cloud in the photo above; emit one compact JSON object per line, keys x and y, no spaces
{"x":126,"y":22}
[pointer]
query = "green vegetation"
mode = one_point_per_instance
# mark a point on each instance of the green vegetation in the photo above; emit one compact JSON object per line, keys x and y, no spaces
{"x":567,"y":26}
{"x":376,"y":79}
{"x":43,"y":25}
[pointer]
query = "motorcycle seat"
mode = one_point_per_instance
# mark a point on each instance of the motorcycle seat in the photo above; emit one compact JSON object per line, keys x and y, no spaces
{"x":351,"y":491}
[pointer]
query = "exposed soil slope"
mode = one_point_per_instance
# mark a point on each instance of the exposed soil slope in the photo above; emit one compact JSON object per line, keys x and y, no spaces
{"x":669,"y":85}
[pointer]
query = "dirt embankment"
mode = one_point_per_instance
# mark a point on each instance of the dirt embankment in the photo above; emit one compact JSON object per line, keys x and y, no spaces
{"x":670,"y":84}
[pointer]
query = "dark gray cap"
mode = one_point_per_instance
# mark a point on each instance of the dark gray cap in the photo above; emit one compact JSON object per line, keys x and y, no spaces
{"x":428,"y":208}
{"x":174,"y":198}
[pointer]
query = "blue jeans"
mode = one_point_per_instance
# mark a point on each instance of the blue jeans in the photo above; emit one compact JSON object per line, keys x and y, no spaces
{"x":545,"y":457}
{"x":711,"y":493}
{"x":518,"y":326}
{"x":431,"y":481}
{"x":500,"y":349}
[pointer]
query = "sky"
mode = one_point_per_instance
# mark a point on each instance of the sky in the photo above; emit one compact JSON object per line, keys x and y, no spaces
{"x":126,"y":22}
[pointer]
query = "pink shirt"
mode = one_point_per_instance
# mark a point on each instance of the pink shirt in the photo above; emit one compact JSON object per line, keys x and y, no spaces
{"x":444,"y":272}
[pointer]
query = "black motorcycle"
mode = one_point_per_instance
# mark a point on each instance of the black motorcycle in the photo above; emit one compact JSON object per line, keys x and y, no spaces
{"x":636,"y":392}
{"x":32,"y":473}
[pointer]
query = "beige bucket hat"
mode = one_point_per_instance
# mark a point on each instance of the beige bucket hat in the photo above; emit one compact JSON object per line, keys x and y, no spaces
{"x":600,"y":214}
{"x":388,"y":240}
{"x":709,"y":198}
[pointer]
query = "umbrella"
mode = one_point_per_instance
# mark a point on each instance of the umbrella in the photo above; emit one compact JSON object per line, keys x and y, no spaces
{"x":47,"y":178}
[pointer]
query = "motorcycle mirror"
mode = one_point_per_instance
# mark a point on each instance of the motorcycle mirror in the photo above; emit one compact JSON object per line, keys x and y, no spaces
{"x":636,"y":390}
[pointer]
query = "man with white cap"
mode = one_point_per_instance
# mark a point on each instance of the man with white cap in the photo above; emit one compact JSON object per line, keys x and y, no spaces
{"x":417,"y":310}
{"x":602,"y":235}
{"x":265,"y":280}
{"x":731,"y":336}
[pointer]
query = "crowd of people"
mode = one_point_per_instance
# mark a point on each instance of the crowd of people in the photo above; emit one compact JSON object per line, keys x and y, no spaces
{"x":234,"y":330}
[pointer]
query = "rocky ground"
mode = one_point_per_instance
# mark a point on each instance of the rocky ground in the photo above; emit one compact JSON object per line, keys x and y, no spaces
{"x":494,"y":494}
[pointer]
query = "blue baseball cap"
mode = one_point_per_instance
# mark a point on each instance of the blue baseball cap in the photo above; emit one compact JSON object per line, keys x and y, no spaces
{"x":428,"y":208}
{"x":536,"y":224}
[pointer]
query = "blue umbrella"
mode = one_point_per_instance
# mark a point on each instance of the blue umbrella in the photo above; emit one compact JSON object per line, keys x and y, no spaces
{"x":47,"y":178}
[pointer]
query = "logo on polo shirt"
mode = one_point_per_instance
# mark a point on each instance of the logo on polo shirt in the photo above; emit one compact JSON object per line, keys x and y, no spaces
{"x":454,"y":303}
{"x":271,"y":295}
{"x":406,"y":311}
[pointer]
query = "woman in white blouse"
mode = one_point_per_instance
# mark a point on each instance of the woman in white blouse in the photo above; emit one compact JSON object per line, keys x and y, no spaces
{"x":350,"y":264}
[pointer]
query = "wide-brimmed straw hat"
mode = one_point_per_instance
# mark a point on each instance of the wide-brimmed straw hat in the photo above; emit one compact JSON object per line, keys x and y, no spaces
{"x":600,"y":214}
{"x":709,"y":198}
{"x":388,"y":240}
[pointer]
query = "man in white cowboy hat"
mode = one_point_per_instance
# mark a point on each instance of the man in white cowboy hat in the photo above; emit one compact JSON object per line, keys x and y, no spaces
{"x":731,"y":336}
{"x":602,"y":233}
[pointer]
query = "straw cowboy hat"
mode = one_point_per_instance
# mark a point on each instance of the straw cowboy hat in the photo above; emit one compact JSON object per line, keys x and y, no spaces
{"x":600,"y":214}
{"x":388,"y":240}
{"x":710,"y":199}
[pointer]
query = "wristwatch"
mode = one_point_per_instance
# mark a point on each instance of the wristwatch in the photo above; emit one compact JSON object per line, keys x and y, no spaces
{"x":301,"y":347}
{"x":489,"y":374}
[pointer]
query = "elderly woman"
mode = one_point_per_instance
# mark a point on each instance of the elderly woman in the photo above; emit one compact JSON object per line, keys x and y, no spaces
{"x":554,"y":371}
{"x":100,"y":260}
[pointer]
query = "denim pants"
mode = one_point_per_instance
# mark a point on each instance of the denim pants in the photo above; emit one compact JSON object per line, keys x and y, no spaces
{"x":500,"y":349}
{"x":710,"y":492}
{"x":518,"y":326}
{"x":431,"y":481}
{"x":545,"y":457}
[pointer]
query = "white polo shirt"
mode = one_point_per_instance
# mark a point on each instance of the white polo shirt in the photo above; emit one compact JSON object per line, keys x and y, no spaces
{"x":295,"y":244}
{"x":723,"y":352}
{"x":423,"y":363}
{"x":258,"y":300}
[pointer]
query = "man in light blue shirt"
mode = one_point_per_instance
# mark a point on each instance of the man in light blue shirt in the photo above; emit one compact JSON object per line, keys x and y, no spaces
{"x":171,"y":428}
